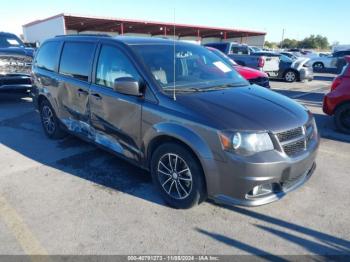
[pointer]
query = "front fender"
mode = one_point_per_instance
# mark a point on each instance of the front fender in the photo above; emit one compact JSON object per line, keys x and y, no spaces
{"x":198,"y":145}
{"x":184,"y":134}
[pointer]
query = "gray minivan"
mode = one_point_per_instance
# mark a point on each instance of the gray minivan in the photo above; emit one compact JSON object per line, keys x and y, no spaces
{"x":179,"y":111}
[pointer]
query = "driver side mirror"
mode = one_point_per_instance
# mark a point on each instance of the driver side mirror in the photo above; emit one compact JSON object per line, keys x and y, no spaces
{"x":127,"y":86}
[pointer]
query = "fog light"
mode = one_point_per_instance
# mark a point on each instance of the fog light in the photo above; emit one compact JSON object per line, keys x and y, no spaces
{"x":261,"y":190}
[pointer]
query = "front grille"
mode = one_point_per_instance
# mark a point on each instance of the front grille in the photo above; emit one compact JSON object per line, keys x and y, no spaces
{"x":15,"y":64}
{"x":294,"y":148}
{"x":261,"y":81}
{"x":290,"y":134}
{"x":296,"y":140}
{"x":290,"y":181}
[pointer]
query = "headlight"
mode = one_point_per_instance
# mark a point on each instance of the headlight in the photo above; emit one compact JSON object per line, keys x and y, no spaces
{"x":245,"y":143}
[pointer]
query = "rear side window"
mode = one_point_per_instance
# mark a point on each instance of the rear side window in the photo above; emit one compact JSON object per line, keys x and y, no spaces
{"x":48,"y":56}
{"x":240,"y":50}
{"x":76,"y":59}
{"x":339,"y":54}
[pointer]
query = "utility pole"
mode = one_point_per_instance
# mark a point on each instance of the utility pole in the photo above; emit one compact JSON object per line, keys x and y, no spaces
{"x":281,"y":45}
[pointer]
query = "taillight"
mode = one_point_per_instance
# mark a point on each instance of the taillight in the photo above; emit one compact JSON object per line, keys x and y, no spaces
{"x":336,"y":82}
{"x":261,"y":62}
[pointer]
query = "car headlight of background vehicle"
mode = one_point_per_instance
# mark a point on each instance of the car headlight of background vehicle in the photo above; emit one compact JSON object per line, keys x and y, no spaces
{"x":245,"y":143}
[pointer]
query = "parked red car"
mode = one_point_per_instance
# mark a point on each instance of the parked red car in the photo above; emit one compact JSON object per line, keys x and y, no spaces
{"x":337,"y":101}
{"x":252,"y":75}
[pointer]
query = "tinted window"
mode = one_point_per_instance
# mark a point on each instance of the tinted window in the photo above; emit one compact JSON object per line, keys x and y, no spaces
{"x":113,"y":64}
{"x":9,"y":40}
{"x":339,"y":54}
{"x":240,"y":50}
{"x":285,"y":59}
{"x":76,"y":59}
{"x":48,"y":55}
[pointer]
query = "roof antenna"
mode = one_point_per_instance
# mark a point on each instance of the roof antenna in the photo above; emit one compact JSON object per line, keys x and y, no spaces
{"x":174,"y":58}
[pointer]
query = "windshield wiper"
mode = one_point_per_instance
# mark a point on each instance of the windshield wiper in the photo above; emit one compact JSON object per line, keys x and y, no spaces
{"x":204,"y":89}
{"x":184,"y":90}
{"x":221,"y":87}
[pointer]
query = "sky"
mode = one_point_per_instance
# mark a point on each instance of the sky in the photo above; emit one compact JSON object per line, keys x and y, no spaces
{"x":299,"y":18}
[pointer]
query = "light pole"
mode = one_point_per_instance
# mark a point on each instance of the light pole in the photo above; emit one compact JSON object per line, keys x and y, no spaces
{"x":281,"y":45}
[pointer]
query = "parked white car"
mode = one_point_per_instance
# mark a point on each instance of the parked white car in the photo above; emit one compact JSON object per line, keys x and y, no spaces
{"x":321,"y":62}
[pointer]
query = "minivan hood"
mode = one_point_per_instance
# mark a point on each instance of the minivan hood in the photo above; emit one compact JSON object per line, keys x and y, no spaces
{"x":245,"y":108}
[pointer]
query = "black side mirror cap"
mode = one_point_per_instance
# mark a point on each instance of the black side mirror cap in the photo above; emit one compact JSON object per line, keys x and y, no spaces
{"x":127,"y":86}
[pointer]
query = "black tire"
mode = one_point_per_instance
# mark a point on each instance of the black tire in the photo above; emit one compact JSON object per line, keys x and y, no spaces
{"x":318,"y":65}
{"x":196,"y":192}
{"x":342,"y":118}
{"x":52,"y":129}
{"x":290,"y":76}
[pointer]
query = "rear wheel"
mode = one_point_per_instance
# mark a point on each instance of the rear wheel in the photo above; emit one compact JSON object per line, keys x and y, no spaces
{"x":342,"y":118}
{"x":290,"y":76}
{"x":318,"y":65}
{"x":178,"y":176}
{"x":50,"y":121}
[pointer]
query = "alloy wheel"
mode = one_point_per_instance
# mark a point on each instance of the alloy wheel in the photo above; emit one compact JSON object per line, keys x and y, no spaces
{"x":175,"y":176}
{"x":290,"y":76}
{"x":48,"y":119}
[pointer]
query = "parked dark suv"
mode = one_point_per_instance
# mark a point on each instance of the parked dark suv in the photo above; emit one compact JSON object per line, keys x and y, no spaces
{"x":179,"y":111}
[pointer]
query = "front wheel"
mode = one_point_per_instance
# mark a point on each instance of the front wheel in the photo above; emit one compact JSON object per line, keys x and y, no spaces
{"x":342,"y":118}
{"x":178,"y":176}
{"x":290,"y":76}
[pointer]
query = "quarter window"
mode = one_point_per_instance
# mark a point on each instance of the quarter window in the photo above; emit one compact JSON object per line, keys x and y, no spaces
{"x":76,"y":59}
{"x":48,"y":55}
{"x":113,"y":64}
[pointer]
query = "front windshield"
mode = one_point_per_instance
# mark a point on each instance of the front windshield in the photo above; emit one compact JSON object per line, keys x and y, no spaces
{"x":195,"y":67}
{"x":10,"y":41}
{"x":223,"y":56}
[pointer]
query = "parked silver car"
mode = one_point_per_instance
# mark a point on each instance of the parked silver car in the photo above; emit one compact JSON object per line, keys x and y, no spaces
{"x":179,"y":111}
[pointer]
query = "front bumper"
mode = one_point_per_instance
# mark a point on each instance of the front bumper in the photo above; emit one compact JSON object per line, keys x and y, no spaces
{"x":15,"y":82}
{"x":306,"y":73}
{"x":239,"y":176}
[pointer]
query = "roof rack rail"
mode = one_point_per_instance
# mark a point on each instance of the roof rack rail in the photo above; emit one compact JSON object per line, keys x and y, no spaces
{"x":73,"y":35}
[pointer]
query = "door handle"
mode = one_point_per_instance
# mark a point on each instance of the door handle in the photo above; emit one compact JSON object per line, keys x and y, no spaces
{"x":82,"y":91}
{"x":97,"y":96}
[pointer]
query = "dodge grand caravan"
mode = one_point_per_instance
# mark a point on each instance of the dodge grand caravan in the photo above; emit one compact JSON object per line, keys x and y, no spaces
{"x":179,"y":111}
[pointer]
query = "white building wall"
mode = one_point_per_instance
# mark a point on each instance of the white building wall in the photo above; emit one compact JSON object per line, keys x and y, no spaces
{"x":43,"y":30}
{"x":206,"y":40}
{"x":257,"y":41}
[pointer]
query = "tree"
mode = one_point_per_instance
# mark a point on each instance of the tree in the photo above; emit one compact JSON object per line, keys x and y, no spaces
{"x":270,"y":45}
{"x":314,"y":42}
{"x":289,"y":43}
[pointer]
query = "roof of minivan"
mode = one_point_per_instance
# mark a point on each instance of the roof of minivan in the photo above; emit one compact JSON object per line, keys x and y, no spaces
{"x":129,"y":40}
